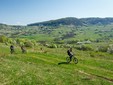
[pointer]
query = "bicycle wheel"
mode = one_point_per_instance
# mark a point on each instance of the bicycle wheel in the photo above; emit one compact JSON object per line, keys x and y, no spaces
{"x":75,"y":60}
{"x":68,"y":60}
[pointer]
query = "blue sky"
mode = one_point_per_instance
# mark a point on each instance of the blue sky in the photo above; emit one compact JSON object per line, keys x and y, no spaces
{"x":22,"y":12}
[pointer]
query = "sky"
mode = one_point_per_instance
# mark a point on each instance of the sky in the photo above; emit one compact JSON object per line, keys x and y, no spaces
{"x":23,"y":12}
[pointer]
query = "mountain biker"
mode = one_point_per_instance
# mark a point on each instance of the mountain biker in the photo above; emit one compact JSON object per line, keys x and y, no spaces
{"x":69,"y":52}
{"x":23,"y":49}
{"x":11,"y":49}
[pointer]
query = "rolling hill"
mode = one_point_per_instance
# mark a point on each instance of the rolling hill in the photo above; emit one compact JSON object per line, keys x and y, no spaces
{"x":75,"y":22}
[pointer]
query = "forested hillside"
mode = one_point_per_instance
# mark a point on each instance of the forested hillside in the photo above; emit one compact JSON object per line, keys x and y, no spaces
{"x":75,"y":22}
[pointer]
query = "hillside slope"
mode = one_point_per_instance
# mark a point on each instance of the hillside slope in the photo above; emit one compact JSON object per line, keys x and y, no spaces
{"x":40,"y":68}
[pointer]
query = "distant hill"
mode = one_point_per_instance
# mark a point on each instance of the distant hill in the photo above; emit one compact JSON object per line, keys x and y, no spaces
{"x":62,"y":21}
{"x":97,"y":21}
{"x":75,"y":22}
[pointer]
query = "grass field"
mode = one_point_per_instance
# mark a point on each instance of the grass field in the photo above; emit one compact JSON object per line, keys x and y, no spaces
{"x":49,"y":67}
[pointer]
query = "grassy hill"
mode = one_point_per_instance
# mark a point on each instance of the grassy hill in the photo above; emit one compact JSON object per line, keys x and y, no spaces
{"x":37,"y":67}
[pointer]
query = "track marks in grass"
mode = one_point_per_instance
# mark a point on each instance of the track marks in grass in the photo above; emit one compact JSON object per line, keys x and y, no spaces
{"x":91,"y":75}
{"x":96,"y":72}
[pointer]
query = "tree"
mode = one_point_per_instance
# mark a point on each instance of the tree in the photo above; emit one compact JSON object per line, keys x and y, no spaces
{"x":3,"y":38}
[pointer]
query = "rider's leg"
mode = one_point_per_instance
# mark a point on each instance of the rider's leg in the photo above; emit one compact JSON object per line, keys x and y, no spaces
{"x":11,"y":51}
{"x":71,"y":57}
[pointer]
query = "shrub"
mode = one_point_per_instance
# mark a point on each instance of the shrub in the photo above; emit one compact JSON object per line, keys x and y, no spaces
{"x":102,"y":48}
{"x":20,"y":41}
{"x":34,"y":42}
{"x":84,"y":48}
{"x":92,"y":54}
{"x":66,"y":46}
{"x":3,"y":38}
{"x":9,"y":40}
{"x":52,"y":46}
{"x":110,"y":49}
{"x":28,"y":44}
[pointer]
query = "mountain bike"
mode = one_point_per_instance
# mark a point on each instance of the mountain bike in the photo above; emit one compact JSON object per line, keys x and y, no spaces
{"x":74,"y":59}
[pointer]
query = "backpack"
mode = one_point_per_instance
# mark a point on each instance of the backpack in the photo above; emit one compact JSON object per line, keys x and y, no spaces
{"x":68,"y":52}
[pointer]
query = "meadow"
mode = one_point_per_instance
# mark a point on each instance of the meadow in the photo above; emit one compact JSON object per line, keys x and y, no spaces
{"x":48,"y":67}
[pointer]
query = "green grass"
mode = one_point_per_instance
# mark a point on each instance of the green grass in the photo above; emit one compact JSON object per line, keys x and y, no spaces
{"x":40,"y":37}
{"x":38,"y":68}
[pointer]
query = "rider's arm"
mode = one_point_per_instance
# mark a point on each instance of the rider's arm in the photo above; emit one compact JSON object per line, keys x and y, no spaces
{"x":71,"y":53}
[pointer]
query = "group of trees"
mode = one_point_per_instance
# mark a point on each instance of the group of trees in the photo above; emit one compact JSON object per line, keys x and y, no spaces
{"x":31,"y":43}
{"x":17,"y":41}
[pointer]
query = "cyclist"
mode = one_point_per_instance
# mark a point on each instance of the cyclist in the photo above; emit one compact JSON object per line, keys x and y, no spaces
{"x":23,"y":49}
{"x":70,"y":53}
{"x":12,"y":49}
